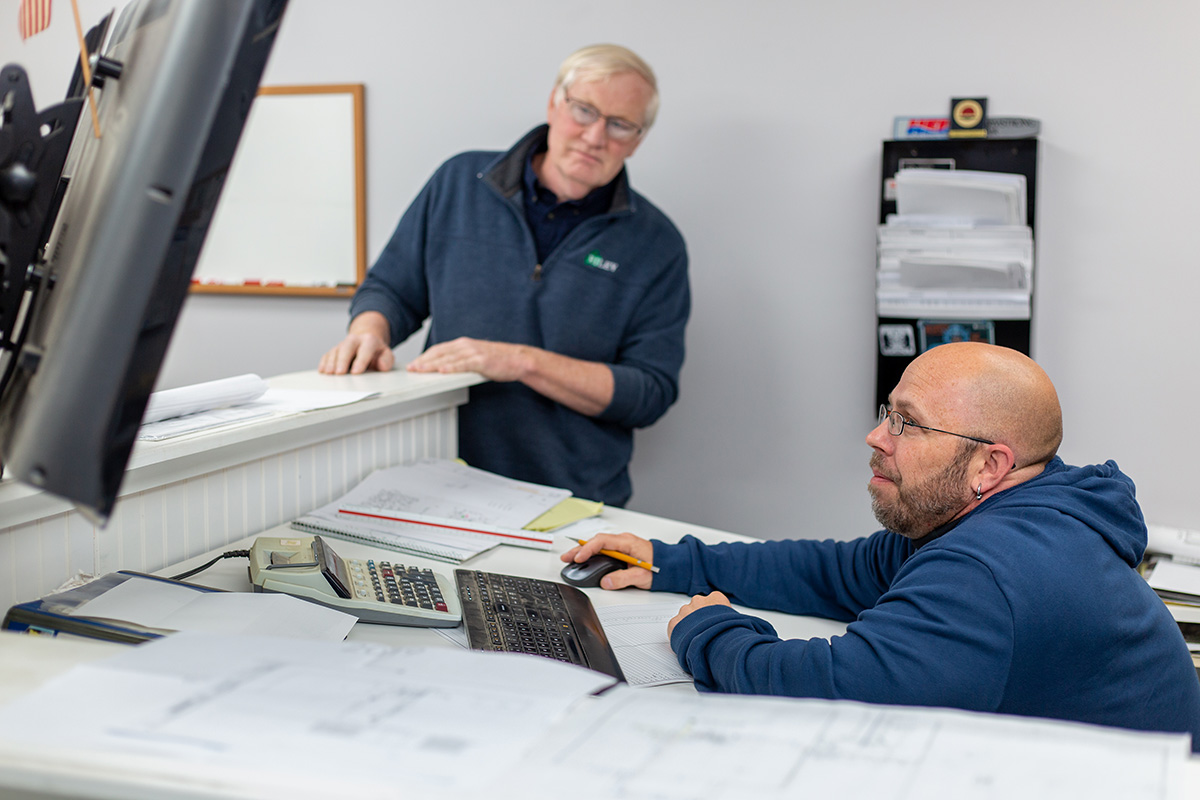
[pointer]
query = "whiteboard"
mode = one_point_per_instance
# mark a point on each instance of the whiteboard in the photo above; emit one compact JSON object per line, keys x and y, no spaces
{"x":291,"y":215}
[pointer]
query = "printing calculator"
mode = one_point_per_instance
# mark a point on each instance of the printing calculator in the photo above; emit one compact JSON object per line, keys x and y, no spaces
{"x":372,"y":590}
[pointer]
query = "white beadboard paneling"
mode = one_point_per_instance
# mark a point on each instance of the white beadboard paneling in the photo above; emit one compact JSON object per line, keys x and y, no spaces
{"x":253,"y":493}
{"x":152,"y":528}
{"x":234,"y":518}
{"x":8,"y":567}
{"x":321,"y":475}
{"x":290,"y":467}
{"x":154,"y":539}
{"x":52,"y":546}
{"x":175,"y":521}
{"x":272,"y":503}
{"x":337,"y":481}
{"x":27,"y":559}
{"x":81,"y":545}
{"x":125,"y":527}
{"x":198,"y":508}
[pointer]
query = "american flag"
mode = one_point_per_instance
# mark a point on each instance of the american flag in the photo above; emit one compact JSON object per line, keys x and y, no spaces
{"x":33,"y":17}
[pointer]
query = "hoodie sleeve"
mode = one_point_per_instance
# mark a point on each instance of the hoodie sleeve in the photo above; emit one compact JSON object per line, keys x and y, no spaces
{"x":941,"y":635}
{"x":831,"y":579}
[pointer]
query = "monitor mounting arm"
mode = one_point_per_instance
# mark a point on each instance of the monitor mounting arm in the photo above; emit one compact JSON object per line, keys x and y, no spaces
{"x":33,"y":150}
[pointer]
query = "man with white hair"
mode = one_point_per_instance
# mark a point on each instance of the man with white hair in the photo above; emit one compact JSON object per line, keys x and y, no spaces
{"x":542,"y":270}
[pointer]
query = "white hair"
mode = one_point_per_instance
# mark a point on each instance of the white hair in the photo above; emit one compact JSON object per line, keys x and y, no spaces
{"x":600,"y":61}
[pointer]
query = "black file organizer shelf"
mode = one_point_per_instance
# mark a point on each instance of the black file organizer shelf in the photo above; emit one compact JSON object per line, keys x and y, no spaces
{"x":1017,"y":156}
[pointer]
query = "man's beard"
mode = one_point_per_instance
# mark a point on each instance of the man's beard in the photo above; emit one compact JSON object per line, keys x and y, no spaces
{"x":920,"y":507}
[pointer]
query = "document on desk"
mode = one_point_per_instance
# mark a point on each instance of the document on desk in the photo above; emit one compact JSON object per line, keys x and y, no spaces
{"x":638,"y":635}
{"x":162,"y":605}
{"x":445,"y":488}
{"x":206,"y":396}
{"x":438,"y":508}
{"x":728,"y":747}
{"x":289,"y":718}
{"x":271,"y":403}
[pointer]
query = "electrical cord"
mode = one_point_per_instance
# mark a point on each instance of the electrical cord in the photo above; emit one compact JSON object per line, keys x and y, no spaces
{"x":228,"y":554}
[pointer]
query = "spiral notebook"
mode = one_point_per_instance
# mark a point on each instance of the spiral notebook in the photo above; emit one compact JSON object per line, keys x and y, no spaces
{"x":453,"y":549}
{"x":440,"y":509}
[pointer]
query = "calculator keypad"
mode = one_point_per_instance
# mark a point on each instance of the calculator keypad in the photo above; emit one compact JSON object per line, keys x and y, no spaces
{"x":386,"y":582}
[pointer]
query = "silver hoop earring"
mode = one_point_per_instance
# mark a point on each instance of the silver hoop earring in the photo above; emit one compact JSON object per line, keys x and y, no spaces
{"x":979,"y":492}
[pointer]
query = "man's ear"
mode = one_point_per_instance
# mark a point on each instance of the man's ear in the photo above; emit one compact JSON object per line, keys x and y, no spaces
{"x":998,"y":461}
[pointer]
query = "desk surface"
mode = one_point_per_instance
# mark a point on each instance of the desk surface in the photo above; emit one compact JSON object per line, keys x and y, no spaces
{"x":231,"y":574}
{"x":26,"y":662}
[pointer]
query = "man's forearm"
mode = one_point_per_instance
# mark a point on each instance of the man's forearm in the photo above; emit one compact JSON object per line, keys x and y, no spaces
{"x":583,"y":386}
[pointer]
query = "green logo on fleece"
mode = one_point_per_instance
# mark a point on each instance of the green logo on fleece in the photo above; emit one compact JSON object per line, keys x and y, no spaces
{"x":594,"y":259}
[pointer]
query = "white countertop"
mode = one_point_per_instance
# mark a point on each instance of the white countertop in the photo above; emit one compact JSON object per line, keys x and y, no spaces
{"x":157,"y":463}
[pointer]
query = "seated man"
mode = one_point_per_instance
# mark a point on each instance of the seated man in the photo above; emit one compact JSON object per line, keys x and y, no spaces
{"x":1004,"y":580}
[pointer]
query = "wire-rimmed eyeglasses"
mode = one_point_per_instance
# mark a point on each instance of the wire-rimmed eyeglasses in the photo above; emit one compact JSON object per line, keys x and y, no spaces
{"x":617,"y":128}
{"x":896,"y":423}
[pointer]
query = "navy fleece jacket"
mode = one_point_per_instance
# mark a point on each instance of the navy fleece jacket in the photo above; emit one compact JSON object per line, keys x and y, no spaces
{"x":1031,"y":605}
{"x":614,"y":291}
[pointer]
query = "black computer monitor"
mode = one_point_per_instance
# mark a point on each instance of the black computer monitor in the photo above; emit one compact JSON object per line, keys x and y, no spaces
{"x":98,"y":303}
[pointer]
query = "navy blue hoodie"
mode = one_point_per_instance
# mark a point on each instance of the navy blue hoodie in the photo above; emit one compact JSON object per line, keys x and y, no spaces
{"x":1031,"y":605}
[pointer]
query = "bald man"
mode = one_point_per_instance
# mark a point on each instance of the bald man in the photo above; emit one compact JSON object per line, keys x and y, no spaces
{"x":1004,"y":580}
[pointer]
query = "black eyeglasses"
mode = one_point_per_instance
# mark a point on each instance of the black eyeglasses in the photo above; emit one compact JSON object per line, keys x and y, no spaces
{"x":617,"y":127}
{"x":896,"y":423}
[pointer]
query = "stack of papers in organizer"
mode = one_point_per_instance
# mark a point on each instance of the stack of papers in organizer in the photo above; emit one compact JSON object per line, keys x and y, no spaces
{"x":960,"y":197}
{"x":965,"y":273}
{"x":1175,"y":581}
{"x":443,"y":509}
{"x":957,"y":249}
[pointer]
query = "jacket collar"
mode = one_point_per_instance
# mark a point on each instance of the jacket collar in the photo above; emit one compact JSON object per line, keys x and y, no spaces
{"x":506,"y":173}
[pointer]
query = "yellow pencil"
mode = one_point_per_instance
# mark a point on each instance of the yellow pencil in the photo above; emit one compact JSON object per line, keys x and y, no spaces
{"x":637,"y":562}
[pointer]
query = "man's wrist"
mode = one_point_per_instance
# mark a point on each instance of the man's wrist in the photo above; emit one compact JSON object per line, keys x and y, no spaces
{"x":529,"y":362}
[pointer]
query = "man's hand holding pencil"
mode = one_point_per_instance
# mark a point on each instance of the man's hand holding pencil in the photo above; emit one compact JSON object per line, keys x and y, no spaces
{"x":623,"y":546}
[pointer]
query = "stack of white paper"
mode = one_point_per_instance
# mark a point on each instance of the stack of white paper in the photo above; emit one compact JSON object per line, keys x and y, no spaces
{"x":207,"y":396}
{"x":230,"y":401}
{"x":437,"y":508}
{"x":983,"y":272}
{"x":958,"y":248}
{"x":173,"y":607}
{"x":940,"y":196}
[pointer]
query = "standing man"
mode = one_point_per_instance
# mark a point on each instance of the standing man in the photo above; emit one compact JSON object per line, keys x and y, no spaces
{"x":1004,"y":580}
{"x":546,"y":273}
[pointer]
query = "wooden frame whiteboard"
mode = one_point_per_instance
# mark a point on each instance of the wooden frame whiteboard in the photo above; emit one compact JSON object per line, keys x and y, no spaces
{"x":292,"y":216}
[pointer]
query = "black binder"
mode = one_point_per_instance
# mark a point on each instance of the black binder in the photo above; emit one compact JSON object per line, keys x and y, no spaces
{"x":52,"y":615}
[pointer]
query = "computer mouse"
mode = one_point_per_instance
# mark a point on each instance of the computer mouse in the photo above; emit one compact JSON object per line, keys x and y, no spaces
{"x":588,"y":573}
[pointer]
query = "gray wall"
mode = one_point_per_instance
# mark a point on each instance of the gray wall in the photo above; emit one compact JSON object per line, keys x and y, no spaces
{"x":766,"y":155}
